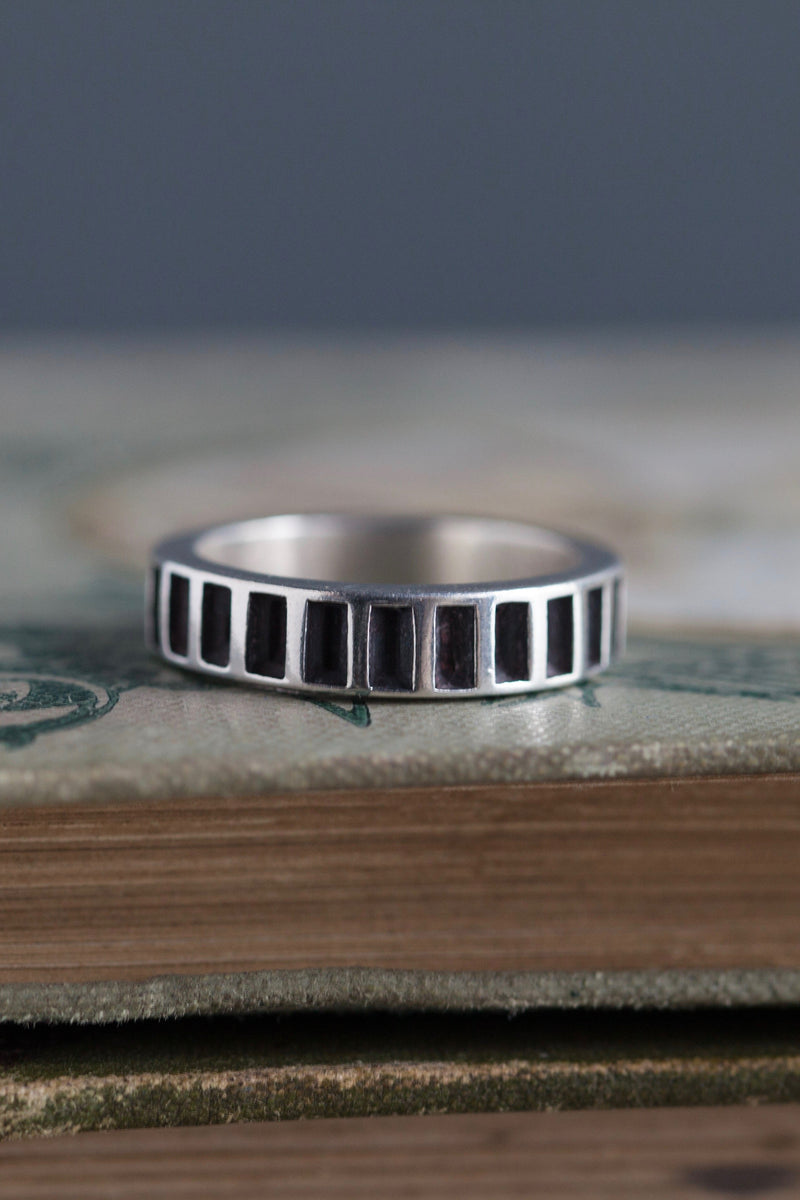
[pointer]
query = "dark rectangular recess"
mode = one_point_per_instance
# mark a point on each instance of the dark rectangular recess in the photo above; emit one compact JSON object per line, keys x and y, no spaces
{"x":560,"y":636}
{"x":155,"y":605}
{"x":325,"y":659}
{"x":455,"y":646}
{"x":265,"y":643}
{"x":512,"y":642}
{"x":215,"y":626}
{"x":391,"y":648}
{"x":594,"y":627}
{"x":179,"y":615}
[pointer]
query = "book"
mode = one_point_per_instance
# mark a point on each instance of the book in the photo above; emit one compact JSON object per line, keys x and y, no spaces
{"x":634,"y":838}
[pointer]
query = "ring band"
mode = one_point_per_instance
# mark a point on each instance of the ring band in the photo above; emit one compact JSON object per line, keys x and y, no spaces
{"x":412,"y":607}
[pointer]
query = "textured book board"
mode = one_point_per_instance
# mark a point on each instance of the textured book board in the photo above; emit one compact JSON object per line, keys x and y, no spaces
{"x":199,"y":1072}
{"x":89,"y":715}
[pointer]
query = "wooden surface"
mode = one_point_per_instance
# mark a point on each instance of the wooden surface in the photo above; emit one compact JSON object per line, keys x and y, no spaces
{"x":690,"y":873}
{"x":667,"y":1154}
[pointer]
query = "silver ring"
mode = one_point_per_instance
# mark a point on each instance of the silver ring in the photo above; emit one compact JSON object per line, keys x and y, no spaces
{"x":408,"y":607}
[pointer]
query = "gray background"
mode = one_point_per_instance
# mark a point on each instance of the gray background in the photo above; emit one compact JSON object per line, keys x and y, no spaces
{"x":375,"y":163}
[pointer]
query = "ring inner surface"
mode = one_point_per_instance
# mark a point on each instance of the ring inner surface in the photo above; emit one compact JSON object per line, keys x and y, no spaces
{"x":429,"y":552}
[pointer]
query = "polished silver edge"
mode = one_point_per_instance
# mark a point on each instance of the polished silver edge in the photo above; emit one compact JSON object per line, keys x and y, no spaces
{"x":596,"y":567}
